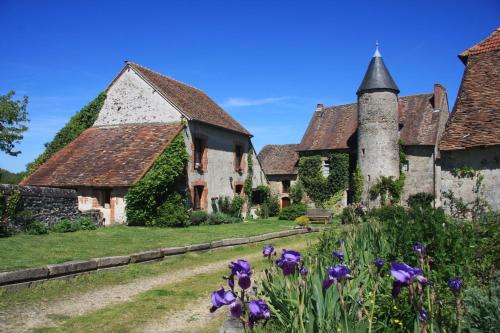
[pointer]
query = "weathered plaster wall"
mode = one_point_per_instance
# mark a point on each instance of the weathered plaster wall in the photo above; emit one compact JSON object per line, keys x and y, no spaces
{"x":486,"y":160}
{"x":131,"y":100}
{"x":48,"y":205}
{"x":378,"y":134}
{"x":114,"y":213}
{"x":219,"y":177}
{"x":420,"y":174}
{"x":276,"y":184}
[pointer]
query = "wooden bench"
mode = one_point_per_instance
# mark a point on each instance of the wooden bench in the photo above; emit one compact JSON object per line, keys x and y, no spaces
{"x":319,"y":215}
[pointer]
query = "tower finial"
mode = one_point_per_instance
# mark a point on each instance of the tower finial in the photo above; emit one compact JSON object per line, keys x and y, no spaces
{"x":377,"y":52}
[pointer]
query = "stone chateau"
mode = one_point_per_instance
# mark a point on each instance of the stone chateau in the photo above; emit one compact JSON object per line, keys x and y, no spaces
{"x":437,"y":143}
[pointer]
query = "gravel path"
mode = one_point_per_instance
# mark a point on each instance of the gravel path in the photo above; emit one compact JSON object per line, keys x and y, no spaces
{"x":22,"y":319}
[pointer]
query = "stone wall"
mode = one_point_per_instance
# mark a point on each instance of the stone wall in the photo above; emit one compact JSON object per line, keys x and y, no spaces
{"x":420,"y":176}
{"x":219,"y":175}
{"x":131,"y":100}
{"x":485,"y":160}
{"x":48,"y":205}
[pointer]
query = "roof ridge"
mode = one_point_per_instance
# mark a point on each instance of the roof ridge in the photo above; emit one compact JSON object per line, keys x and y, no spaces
{"x":474,"y":48}
{"x":165,"y":76}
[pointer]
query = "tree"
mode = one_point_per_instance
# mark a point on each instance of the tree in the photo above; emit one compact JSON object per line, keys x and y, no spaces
{"x":13,"y":115}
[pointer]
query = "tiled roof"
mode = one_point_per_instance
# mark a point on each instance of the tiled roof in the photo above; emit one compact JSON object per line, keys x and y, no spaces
{"x":491,"y":43}
{"x":192,"y":102}
{"x":332,"y":128}
{"x":279,"y":159}
{"x":106,"y":156}
{"x":475,"y":120}
{"x":335,"y":127}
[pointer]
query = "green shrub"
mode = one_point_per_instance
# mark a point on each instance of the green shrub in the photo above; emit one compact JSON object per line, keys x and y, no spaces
{"x":163,"y":183}
{"x":273,"y":205}
{"x":85,"y":223}
{"x":171,"y":213}
{"x":198,"y":217}
{"x":302,"y":221}
{"x":297,"y":193}
{"x":65,"y":225}
{"x":351,"y":214}
{"x":237,"y":205}
{"x":218,"y":218}
{"x":263,"y":211}
{"x":225,"y":205}
{"x":234,"y":219}
{"x":483,"y":307}
{"x":22,"y":220}
{"x":37,"y":228}
{"x":421,"y":200}
{"x":292,"y":212}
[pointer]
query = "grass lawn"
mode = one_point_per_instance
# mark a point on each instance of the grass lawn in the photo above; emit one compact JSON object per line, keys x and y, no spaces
{"x":23,"y":251}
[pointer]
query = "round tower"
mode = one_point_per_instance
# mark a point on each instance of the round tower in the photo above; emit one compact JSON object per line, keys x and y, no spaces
{"x":378,"y":125}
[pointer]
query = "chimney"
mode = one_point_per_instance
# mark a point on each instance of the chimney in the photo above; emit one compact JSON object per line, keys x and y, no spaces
{"x":439,"y":93}
{"x":319,"y":107}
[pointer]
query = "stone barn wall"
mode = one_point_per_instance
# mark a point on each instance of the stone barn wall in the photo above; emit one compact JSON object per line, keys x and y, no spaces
{"x":49,"y":205}
{"x":485,"y":160}
{"x":420,"y":176}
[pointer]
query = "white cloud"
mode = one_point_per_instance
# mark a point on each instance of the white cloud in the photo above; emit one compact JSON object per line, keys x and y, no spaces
{"x":241,"y":102}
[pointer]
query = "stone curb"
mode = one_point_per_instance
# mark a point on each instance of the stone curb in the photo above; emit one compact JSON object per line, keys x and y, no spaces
{"x":25,"y":278}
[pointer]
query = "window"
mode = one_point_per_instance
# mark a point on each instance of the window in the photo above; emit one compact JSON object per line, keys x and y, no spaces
{"x":238,"y":189}
{"x":363,"y":151}
{"x":104,"y":197}
{"x":197,"y":195}
{"x":199,"y":148}
{"x":285,"y":186}
{"x":257,"y":197}
{"x":238,"y":157}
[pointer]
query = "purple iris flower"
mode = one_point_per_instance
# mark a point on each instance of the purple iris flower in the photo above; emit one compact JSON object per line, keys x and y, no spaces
{"x":220,"y":298}
{"x":236,"y":309}
{"x":455,"y":284}
{"x":303,"y":271}
{"x":268,"y":250}
{"x":288,"y":261}
{"x":258,"y":311}
{"x":244,"y":280}
{"x":405,"y":273}
{"x":334,"y":274}
{"x":379,"y":263}
{"x":418,"y":248}
{"x":339,"y":255}
{"x":240,"y":268}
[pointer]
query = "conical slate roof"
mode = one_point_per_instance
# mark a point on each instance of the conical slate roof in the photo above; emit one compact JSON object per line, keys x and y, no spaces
{"x":377,"y":76}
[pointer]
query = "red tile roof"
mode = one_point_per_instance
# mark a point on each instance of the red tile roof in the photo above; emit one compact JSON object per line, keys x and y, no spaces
{"x":491,"y":43}
{"x":335,"y":127}
{"x":106,"y":156}
{"x":279,"y":159}
{"x":192,"y":102}
{"x":475,"y":120}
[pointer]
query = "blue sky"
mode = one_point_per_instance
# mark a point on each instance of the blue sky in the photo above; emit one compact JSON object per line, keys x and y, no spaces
{"x":266,"y":62}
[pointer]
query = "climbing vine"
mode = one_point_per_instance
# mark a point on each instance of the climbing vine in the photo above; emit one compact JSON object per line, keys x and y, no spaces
{"x":247,"y":187}
{"x":82,"y":120}
{"x":357,"y":184}
{"x":318,"y":187}
{"x":159,"y":198}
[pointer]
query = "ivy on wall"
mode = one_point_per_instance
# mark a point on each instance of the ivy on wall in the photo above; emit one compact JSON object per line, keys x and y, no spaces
{"x":318,"y":187}
{"x":356,"y":184}
{"x":247,"y":187}
{"x":82,"y":120}
{"x":161,"y":193}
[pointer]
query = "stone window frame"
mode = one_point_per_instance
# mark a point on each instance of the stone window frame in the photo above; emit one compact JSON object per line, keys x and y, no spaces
{"x":204,"y":158}
{"x":236,"y":184}
{"x":204,"y":194}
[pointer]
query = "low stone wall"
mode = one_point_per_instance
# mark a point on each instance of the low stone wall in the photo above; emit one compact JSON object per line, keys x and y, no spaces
{"x":29,"y":277}
{"x":48,"y":205}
